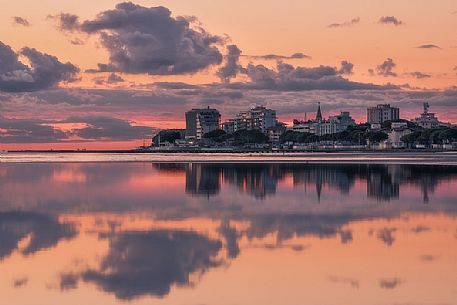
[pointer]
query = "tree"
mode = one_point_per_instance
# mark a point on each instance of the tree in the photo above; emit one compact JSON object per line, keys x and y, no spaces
{"x":411,"y":138}
{"x":217,"y":135}
{"x":169,"y":136}
{"x":376,"y":136}
{"x":242,"y":137}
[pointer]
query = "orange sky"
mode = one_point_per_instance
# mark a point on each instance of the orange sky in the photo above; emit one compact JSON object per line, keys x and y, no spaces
{"x":259,"y":28}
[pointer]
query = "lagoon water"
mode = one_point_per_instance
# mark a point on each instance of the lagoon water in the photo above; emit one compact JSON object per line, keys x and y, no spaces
{"x":227,"y":233}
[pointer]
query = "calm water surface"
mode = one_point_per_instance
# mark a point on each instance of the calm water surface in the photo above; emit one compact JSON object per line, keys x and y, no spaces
{"x":165,"y":233}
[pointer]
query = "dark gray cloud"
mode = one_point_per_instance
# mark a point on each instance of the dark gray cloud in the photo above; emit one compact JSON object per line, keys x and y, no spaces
{"x":150,"y":263}
{"x":45,"y":70}
{"x":390,"y":20}
{"x":346,"y":68}
{"x":386,"y":69}
{"x":113,"y":78}
{"x":66,"y":22}
{"x":21,"y":21}
{"x":346,"y":236}
{"x":420,"y":75}
{"x":231,"y":68}
{"x":298,"y":55}
{"x":175,"y":85}
{"x":289,"y":78}
{"x":150,"y":40}
{"x":29,"y":131}
{"x":386,"y":235}
{"x":389,"y":283}
{"x":110,"y":129}
{"x":427,"y":257}
{"x":20,"y":282}
{"x":76,"y":42}
{"x":429,"y":46}
{"x":345,"y":24}
{"x":354,"y":283}
{"x":68,"y":281}
{"x":420,"y":229}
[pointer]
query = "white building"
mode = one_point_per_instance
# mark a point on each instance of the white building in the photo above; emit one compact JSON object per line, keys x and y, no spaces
{"x":395,"y":136}
{"x":201,"y":121}
{"x":259,"y":118}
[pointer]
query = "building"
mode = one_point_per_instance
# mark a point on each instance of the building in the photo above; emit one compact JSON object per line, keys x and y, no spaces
{"x":398,"y":130}
{"x":275,"y":133}
{"x":320,"y":127}
{"x":304,"y":126}
{"x":201,"y":121}
{"x":428,"y":120}
{"x":258,"y":118}
{"x":229,"y":126}
{"x":342,"y":121}
{"x":382,"y":113}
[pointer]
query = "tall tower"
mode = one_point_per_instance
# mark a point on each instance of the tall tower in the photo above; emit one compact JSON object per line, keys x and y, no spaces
{"x":319,"y":112}
{"x":426,"y":107}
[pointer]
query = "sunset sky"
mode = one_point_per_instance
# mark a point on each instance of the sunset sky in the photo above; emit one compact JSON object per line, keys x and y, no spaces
{"x":107,"y":74}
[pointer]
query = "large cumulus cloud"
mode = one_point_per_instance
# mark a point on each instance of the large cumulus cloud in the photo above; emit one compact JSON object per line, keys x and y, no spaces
{"x":150,"y":40}
{"x":45,"y":70}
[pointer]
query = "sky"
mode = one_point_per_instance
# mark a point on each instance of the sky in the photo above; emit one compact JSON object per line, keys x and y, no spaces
{"x":108,"y":75}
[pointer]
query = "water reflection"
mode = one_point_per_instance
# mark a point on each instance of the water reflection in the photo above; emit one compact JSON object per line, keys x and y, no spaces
{"x":188,"y":232}
{"x":43,"y":232}
{"x":141,"y":263}
{"x":261,"y":180}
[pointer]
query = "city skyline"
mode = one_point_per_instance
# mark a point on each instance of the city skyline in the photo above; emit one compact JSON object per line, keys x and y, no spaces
{"x":66,"y":83}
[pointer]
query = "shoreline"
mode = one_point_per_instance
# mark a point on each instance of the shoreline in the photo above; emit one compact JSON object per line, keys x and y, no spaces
{"x":408,"y":158}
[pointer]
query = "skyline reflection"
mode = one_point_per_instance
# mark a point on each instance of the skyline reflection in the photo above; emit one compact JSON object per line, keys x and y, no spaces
{"x":179,"y":232}
{"x":261,"y":180}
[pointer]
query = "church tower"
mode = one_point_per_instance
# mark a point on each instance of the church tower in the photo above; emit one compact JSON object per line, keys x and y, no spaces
{"x":319,"y":113}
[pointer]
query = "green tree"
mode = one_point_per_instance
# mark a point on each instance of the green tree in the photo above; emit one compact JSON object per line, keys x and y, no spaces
{"x":376,"y":136}
{"x":169,"y":136}
{"x":242,"y":137}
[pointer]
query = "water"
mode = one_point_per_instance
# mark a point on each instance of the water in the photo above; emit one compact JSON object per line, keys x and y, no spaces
{"x":208,"y":233}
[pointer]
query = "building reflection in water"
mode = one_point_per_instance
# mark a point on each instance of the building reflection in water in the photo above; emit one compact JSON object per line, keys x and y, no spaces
{"x":383,"y":182}
{"x":134,"y":251}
